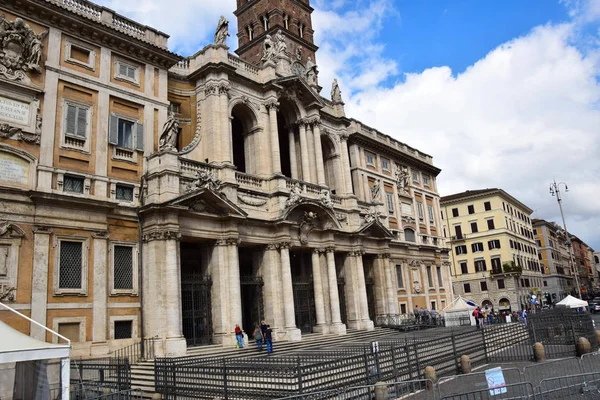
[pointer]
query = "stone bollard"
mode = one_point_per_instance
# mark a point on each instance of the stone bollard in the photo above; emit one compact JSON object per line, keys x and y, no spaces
{"x":465,"y":364}
{"x":381,"y":391}
{"x":539,"y":353}
{"x":156,"y":396}
{"x":429,"y":373}
{"x":583,"y":346}
{"x":597,"y":336}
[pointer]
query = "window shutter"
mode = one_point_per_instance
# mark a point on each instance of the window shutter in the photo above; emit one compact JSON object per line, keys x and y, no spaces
{"x":139,"y":136}
{"x":474,"y":247}
{"x":81,"y":121}
{"x":490,"y":245}
{"x":113,"y":130}
{"x":70,"y":119}
{"x":131,"y":72}
{"x":122,"y":69}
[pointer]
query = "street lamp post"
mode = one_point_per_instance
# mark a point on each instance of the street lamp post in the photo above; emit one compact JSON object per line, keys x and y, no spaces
{"x":555,"y":191}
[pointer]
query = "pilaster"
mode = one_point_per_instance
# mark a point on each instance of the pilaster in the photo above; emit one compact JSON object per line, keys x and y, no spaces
{"x":293,"y":333}
{"x":379,"y":275}
{"x":318,"y":289}
{"x":39,"y":282}
{"x":99,"y":273}
{"x":293,"y":160}
{"x":334,"y":298}
{"x":272,"y":280}
{"x":273,"y":107}
{"x":345,"y":163}
{"x":219,"y":271}
{"x":234,"y":283}
{"x":304,"y":151}
{"x":318,"y":151}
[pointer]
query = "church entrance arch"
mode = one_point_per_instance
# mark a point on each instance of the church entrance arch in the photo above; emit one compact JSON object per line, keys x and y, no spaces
{"x":370,"y":285}
{"x":196,"y":289}
{"x":302,"y":285}
{"x":251,"y":282}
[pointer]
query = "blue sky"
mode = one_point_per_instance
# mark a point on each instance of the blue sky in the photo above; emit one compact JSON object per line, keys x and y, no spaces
{"x":501,"y":93}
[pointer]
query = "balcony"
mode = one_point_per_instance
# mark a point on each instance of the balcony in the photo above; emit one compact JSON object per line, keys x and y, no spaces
{"x":508,"y":269}
{"x":459,"y":238}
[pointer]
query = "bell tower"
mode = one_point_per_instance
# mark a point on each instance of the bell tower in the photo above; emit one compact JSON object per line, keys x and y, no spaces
{"x":259,"y":18}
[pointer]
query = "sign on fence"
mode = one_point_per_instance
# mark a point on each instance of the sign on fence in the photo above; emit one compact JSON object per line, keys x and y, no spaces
{"x":495,"y":381}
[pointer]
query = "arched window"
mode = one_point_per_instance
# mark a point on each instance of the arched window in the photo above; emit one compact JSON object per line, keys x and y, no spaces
{"x":409,"y":235}
{"x":596,"y":260}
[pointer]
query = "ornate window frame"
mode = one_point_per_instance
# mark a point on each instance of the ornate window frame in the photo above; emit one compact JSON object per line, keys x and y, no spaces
{"x":66,"y":320}
{"x":116,"y":75}
{"x":65,"y":139}
{"x":134,"y":269}
{"x":125,"y":153}
{"x":85,"y":249}
{"x":70,"y":43}
{"x":12,"y":242}
{"x":87,"y":183}
{"x":134,"y":325}
{"x":113,"y":192}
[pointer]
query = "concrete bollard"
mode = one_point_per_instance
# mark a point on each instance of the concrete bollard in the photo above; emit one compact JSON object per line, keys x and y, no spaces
{"x":465,"y":364}
{"x":583,"y":346}
{"x":381,"y":391}
{"x":156,"y":396}
{"x":539,"y":353}
{"x":597,"y":336}
{"x":429,"y":373}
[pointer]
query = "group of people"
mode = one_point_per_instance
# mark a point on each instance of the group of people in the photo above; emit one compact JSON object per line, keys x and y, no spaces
{"x":263,"y":334}
{"x":487,"y":317}
{"x":425,"y":316}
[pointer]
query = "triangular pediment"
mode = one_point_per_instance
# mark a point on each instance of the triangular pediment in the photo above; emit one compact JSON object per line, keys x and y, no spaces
{"x":376,"y":229}
{"x":295,"y":87}
{"x":209,"y":202}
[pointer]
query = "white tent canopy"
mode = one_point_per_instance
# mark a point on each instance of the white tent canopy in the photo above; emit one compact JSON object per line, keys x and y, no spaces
{"x":16,"y":346}
{"x":457,"y":312}
{"x":572,"y":302}
{"x":459,"y":304}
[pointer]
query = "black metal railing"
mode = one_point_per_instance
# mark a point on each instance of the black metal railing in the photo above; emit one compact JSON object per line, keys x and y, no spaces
{"x":107,"y":372}
{"x":136,"y":352}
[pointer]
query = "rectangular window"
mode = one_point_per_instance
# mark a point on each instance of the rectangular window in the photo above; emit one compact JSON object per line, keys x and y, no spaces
{"x":126,"y":134}
{"x":467,"y":287}
{"x":385,"y":164}
{"x":415,"y":176}
{"x":474,"y":227}
{"x":439,"y":276}
{"x":496,"y":265}
{"x":461,"y":249}
{"x":123,"y":268}
{"x":493,"y":244}
{"x":429,"y":276}
{"x":464,"y":267}
{"x":127,"y":72}
{"x":540,"y":256}
{"x":538,"y":243}
{"x":390,"y":202}
{"x":476,"y":247}
{"x":490,"y":223}
{"x":433,"y":305}
{"x":471,"y":209}
{"x":402,"y":308}
{"x":124,"y":192}
{"x":123,"y":329}
{"x":487,"y":206}
{"x":70,"y":267}
{"x":70,"y":330}
{"x":480,"y":266}
{"x":501,"y":284}
{"x":399,"y":276}
{"x":426,"y":180}
{"x":73,"y":184}
{"x":458,"y":232}
{"x":420,"y":210}
{"x":430,"y":212}
{"x":455,"y":212}
{"x":535,"y":232}
{"x":76,"y":121}
{"x":175,"y":108}
{"x":370,"y":158}
{"x":483,"y":286}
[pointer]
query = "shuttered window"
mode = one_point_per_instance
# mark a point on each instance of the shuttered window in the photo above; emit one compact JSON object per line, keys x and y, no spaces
{"x":126,"y":133}
{"x":127,"y":71}
{"x":76,"y":120}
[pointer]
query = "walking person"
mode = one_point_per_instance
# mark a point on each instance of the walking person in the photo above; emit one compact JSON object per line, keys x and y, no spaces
{"x":258,"y":337}
{"x":480,"y":316}
{"x":239,"y":335}
{"x":269,"y":339}
{"x":524,"y":317}
{"x":263,"y":330}
{"x":476,"y":316}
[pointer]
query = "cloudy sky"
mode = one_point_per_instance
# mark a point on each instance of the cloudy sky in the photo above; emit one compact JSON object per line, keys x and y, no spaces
{"x":501,"y":94}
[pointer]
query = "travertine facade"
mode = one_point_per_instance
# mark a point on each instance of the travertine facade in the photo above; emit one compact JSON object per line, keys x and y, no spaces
{"x":174,"y":199}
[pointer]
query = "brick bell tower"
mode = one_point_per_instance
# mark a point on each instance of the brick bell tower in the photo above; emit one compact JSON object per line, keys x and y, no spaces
{"x":258,"y":18}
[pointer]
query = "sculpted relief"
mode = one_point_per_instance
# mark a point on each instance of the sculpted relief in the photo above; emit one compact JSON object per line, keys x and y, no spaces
{"x":21,"y":49}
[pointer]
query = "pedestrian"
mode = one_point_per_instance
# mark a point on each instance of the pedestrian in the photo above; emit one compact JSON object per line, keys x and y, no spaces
{"x":417,"y":314}
{"x":476,"y":316}
{"x":269,"y":339}
{"x":480,"y":317}
{"x":263,"y":330}
{"x":524,"y":317}
{"x":258,"y":337}
{"x":239,"y":335}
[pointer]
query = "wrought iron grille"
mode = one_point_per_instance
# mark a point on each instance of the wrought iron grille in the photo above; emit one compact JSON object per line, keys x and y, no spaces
{"x":123,"y":329}
{"x":73,"y":184}
{"x":124,"y":193}
{"x":123,"y":267}
{"x":70,"y":265}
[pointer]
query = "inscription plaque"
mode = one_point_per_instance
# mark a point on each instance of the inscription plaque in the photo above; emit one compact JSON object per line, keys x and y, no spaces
{"x":14,"y":111}
{"x":13,"y":170}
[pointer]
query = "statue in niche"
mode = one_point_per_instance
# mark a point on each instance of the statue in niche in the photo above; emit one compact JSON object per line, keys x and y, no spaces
{"x":281,"y":46}
{"x":222,"y":31}
{"x":268,"y":49}
{"x":21,"y":49}
{"x":311,"y":71}
{"x":299,"y":51}
{"x":308,"y":223}
{"x":376,"y":190}
{"x":416,"y":278}
{"x":402,"y":179}
{"x":336,"y":93}
{"x":168,"y":139}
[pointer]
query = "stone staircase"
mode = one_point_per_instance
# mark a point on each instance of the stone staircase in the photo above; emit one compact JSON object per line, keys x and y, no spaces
{"x":142,"y":374}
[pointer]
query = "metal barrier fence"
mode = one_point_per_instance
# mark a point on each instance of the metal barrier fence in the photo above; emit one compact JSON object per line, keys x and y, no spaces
{"x":581,"y":386}
{"x":142,"y":350}
{"x":96,"y":392}
{"x":536,"y":373}
{"x":451,"y":385}
{"x":517,"y":391}
{"x":408,"y":390}
{"x":105,"y":372}
{"x":507,"y":342}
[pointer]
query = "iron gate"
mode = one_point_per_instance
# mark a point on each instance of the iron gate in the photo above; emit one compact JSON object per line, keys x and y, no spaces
{"x":342,"y":298}
{"x":253,"y":310}
{"x":304,"y":305}
{"x":196,"y":309}
{"x":371,"y":298}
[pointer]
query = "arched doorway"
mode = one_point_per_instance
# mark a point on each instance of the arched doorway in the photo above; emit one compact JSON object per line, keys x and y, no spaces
{"x":487,"y":305}
{"x":504,"y":305}
{"x":289,"y":142}
{"x":243,"y":124}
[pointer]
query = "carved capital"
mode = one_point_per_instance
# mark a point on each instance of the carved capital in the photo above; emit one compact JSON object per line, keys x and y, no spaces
{"x":383,"y":255}
{"x":211,"y":89}
{"x":42,"y":229}
{"x":161,"y":235}
{"x":344,"y":136}
{"x":224,"y":88}
{"x":356,"y":253}
{"x":100,"y":235}
{"x":284,"y":245}
{"x":233,"y":241}
{"x":317,"y":251}
{"x":273,"y":246}
{"x":330,"y":249}
{"x":314,"y":121}
{"x":272,"y":105}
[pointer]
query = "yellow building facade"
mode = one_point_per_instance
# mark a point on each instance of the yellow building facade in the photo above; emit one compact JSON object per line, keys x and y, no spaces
{"x":494,"y":256}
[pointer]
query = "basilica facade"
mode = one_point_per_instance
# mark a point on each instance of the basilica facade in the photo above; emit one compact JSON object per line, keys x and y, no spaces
{"x":146,"y":195}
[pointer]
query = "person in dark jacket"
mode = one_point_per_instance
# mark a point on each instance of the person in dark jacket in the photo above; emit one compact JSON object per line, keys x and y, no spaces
{"x":263,"y":330}
{"x":269,"y":339}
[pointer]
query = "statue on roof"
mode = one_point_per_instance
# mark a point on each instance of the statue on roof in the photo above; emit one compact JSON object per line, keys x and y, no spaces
{"x":222,"y":31}
{"x":269,"y":49}
{"x":336,"y":93}
{"x":168,"y":139}
{"x":281,"y":46}
{"x":311,"y":71}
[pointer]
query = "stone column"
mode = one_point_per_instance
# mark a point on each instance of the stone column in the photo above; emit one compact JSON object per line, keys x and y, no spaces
{"x":391,"y":287}
{"x":39,"y":282}
{"x":273,"y":106}
{"x":366,"y":323}
{"x":175,"y":344}
{"x":226,"y":142}
{"x":345,"y":164}
{"x":272,"y":277}
{"x":381,"y":295}
{"x":304,"y":151}
{"x":99,"y":274}
{"x":235,"y":291}
{"x":318,"y":152}
{"x":293,"y":333}
{"x":334,"y":297}
{"x":293,"y":160}
{"x":312,"y":166}
{"x":220,"y":294}
{"x":318,"y":289}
